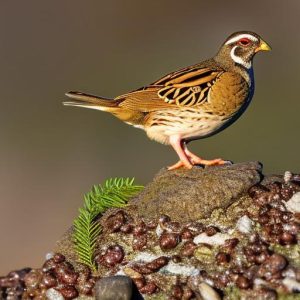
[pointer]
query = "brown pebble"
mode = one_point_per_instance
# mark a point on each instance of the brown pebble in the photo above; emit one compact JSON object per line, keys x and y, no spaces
{"x":222,"y":281}
{"x":151,"y":224}
{"x":176,"y":259}
{"x":49,"y":280}
{"x":242,"y":282}
{"x":261,"y":258}
{"x":230,"y":244}
{"x":168,"y":240}
{"x":139,"y":282}
{"x":33,"y":279}
{"x":287,"y":238}
{"x":187,"y":293}
{"x":139,"y":242}
{"x":293,"y":227}
{"x":186,"y":234}
{"x":188,"y":249}
{"x":86,"y":288}
{"x":58,"y":258}
{"x":49,"y":265}
{"x":140,"y":229}
{"x":263,"y":218}
{"x":274,"y":264}
{"x":157,"y":263}
{"x":149,"y":289}
{"x":5,"y":282}
{"x":177,"y":291}
{"x":222,"y":258}
{"x":211,"y":230}
{"x":68,"y":292}
{"x":113,"y":256}
{"x":115,"y":221}
{"x":251,"y":272}
{"x":126,"y":228}
{"x":69,"y":278}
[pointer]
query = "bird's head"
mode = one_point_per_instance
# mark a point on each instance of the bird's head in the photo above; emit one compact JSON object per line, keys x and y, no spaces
{"x":240,"y":48}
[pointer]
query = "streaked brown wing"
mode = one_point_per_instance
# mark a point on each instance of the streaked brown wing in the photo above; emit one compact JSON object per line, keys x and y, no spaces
{"x":186,"y":87}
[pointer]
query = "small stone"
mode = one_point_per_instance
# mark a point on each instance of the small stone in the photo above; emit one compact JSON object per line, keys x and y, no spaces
{"x":126,"y":228}
{"x":140,"y":229}
{"x":168,"y":240}
{"x":222,"y":258}
{"x":149,"y":289}
{"x":177,"y":291}
{"x":207,"y":292}
{"x":139,"y":242}
{"x":188,"y":249}
{"x":244,"y":224}
{"x":114,"y":287}
{"x":69,"y":292}
{"x":113,"y":256}
{"x":204,"y":253}
{"x":230,"y":244}
{"x":139,"y":282}
{"x":293,"y":204}
{"x":49,"y":280}
{"x":58,"y":258}
{"x":243,"y":282}
{"x":291,"y":284}
{"x":217,"y":239}
{"x":287,"y":238}
{"x":115,"y":221}
{"x":53,"y":294}
{"x":33,"y":279}
{"x":186,"y":234}
{"x":211,"y":230}
{"x":157,"y":263}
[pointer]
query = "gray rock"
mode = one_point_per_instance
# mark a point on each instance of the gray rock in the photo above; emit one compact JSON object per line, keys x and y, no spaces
{"x":187,"y":195}
{"x":114,"y":288}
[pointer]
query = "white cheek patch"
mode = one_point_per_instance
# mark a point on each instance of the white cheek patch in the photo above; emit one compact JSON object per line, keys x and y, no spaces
{"x":238,"y":59}
{"x":242,"y":36}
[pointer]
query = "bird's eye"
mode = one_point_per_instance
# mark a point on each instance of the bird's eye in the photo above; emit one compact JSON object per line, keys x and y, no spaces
{"x":244,"y":42}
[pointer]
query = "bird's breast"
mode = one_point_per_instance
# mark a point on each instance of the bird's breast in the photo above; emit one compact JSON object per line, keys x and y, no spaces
{"x":228,"y":94}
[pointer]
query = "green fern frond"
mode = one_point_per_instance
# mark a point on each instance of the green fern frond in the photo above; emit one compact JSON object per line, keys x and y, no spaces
{"x":114,"y":192}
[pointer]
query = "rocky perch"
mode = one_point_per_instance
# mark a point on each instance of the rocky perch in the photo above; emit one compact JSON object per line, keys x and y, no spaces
{"x":226,"y":232}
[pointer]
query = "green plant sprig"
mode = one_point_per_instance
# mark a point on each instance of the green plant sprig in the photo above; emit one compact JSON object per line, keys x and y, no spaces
{"x":115,"y":192}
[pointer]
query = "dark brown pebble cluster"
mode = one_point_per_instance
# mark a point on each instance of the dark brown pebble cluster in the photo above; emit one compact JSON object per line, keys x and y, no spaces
{"x":152,"y":266}
{"x":12,"y":285}
{"x":113,"y":255}
{"x":278,"y":225}
{"x":59,"y":274}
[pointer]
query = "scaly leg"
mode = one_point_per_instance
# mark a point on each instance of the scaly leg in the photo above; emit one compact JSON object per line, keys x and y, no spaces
{"x":176,"y":143}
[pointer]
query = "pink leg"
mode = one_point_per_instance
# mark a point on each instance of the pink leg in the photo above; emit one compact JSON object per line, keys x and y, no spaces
{"x":176,"y":143}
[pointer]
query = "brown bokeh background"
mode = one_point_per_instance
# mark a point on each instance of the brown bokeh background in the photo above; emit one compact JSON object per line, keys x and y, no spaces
{"x":50,"y":155}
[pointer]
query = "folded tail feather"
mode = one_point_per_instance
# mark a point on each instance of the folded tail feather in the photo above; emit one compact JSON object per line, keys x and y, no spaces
{"x":90,"y":101}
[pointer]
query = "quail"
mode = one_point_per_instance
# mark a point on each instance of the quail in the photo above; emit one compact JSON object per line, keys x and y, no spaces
{"x":192,"y":103}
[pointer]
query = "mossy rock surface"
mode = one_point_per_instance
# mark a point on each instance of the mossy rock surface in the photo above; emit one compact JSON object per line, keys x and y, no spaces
{"x":191,"y":195}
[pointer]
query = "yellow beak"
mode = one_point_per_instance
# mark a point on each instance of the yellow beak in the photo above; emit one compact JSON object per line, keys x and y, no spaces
{"x":263,"y":46}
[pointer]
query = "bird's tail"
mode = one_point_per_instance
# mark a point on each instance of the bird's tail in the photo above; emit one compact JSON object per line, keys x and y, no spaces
{"x":90,"y":101}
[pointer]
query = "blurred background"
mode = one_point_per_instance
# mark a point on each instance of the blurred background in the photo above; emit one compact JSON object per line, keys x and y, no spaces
{"x":51,"y":155}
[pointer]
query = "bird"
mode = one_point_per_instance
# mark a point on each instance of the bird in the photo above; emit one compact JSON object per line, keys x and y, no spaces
{"x":192,"y":103}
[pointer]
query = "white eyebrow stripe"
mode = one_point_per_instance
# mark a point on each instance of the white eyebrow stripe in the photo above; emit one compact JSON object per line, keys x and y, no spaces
{"x":242,"y":36}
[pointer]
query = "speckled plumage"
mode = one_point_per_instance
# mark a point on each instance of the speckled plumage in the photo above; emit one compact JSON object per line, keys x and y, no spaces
{"x":192,"y":103}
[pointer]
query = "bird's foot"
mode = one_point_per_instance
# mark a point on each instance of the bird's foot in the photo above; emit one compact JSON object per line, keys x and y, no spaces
{"x":180,"y":164}
{"x":196,"y":160}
